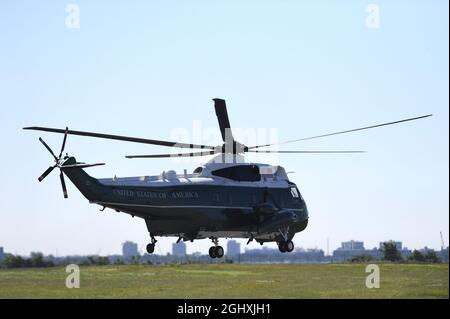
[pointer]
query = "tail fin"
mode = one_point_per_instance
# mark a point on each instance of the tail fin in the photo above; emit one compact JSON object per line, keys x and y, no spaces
{"x":87,"y":185}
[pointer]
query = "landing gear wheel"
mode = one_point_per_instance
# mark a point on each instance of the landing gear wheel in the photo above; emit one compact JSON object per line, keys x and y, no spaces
{"x":289,"y":246}
{"x":282,"y":247}
{"x":219,"y":252}
{"x":216,"y":252}
{"x":212,"y":252}
{"x":151,"y":248}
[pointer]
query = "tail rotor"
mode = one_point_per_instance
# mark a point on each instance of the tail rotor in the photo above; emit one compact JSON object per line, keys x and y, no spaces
{"x":58,"y":163}
{"x":46,"y":173}
{"x":63,"y":184}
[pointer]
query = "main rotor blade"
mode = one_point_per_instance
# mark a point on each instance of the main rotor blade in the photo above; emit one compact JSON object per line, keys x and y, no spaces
{"x":64,"y":142}
{"x":224,"y":122}
{"x":173,"y":155}
{"x":48,"y":148}
{"x":63,"y":184}
{"x":45,"y":174}
{"x":345,"y":132}
{"x":309,"y":152}
{"x":120,"y":138}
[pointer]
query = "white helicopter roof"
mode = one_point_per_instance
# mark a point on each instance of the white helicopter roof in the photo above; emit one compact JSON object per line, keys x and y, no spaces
{"x":272,"y":176}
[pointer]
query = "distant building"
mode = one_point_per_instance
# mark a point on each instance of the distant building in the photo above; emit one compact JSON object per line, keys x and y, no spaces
{"x":351,"y":249}
{"x":179,"y":250}
{"x":270,"y":255}
{"x":443,"y":254}
{"x":426,"y":250}
{"x":129,"y":249}
{"x":1,"y":253}
{"x":309,"y":255}
{"x":352,"y":245}
{"x":233,"y":249}
{"x":265,"y":251}
{"x":348,"y":250}
{"x":397,"y":244}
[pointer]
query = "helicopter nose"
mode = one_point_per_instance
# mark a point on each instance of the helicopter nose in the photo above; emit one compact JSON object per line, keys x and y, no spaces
{"x":303,"y":214}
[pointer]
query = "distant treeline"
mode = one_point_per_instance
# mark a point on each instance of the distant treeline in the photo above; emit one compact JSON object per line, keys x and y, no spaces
{"x":37,"y":260}
{"x":392,"y":254}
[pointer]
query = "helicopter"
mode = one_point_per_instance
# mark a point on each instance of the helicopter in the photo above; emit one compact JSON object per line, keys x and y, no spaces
{"x":224,"y":198}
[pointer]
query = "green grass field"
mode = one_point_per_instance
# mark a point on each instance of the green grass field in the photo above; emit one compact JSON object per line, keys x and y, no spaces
{"x":229,"y":282}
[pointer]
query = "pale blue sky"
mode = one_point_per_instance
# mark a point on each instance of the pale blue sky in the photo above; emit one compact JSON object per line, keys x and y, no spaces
{"x":146,"y":68}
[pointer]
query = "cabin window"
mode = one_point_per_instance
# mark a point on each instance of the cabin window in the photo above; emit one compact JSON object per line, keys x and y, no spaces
{"x":241,"y":173}
{"x":198,"y":170}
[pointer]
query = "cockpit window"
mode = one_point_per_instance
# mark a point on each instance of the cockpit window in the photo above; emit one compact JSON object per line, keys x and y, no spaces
{"x":295,"y":192}
{"x":241,"y":173}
